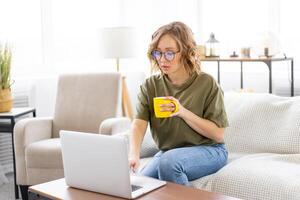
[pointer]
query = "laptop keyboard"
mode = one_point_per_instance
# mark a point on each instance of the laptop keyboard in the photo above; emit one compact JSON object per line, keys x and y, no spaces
{"x":135,"y":187}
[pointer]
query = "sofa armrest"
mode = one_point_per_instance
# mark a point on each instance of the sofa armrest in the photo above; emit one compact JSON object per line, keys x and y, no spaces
{"x":27,"y":131}
{"x":113,"y":126}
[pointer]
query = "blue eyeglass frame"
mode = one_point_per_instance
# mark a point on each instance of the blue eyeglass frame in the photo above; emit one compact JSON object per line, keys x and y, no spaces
{"x":169,"y":55}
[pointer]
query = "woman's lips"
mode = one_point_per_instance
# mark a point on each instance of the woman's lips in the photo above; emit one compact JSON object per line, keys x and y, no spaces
{"x":165,"y":67}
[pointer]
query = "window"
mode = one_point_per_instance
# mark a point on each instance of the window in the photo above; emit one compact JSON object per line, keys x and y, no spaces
{"x":21,"y":27}
{"x":235,"y":23}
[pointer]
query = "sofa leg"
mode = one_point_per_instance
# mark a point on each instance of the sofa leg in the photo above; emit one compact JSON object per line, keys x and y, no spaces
{"x":24,"y":191}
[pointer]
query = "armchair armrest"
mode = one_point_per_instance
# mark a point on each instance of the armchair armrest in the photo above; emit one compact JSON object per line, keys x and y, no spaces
{"x":27,"y":131}
{"x":113,"y":126}
{"x":148,"y":148}
{"x":121,"y":127}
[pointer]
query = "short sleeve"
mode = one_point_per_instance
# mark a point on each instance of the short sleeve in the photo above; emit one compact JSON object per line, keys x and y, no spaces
{"x":214,"y":109}
{"x":142,"y":107}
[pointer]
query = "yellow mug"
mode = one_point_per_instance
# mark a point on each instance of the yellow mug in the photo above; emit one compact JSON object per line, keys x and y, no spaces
{"x":157,"y":101}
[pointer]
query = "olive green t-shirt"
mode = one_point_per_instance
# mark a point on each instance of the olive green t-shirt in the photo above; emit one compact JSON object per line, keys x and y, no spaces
{"x":200,"y":94}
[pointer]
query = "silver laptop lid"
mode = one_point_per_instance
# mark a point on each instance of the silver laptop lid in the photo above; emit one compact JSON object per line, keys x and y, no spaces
{"x":96,"y":162}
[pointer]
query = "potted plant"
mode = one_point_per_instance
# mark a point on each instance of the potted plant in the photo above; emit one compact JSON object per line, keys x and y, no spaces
{"x":5,"y":81}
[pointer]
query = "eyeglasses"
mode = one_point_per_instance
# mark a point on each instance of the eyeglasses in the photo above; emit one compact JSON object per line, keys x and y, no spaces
{"x":169,"y":55}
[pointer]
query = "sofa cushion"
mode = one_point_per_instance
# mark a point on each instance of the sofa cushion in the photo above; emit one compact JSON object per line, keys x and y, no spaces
{"x":44,"y":154}
{"x":149,"y":147}
{"x":262,"y":123}
{"x":271,"y":176}
{"x":204,"y":181}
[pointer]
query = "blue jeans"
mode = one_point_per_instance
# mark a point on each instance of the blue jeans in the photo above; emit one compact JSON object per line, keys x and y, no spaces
{"x":181,"y":165}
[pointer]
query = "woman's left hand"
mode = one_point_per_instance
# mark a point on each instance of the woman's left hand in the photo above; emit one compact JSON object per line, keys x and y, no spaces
{"x":171,"y":107}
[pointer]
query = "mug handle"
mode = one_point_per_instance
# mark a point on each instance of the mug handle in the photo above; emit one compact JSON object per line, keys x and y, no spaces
{"x":176,"y":106}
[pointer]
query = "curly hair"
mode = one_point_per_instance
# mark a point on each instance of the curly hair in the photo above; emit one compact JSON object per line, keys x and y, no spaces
{"x":184,"y":38}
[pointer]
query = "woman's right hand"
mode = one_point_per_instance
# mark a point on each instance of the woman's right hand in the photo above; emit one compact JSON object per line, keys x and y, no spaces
{"x":134,"y":163}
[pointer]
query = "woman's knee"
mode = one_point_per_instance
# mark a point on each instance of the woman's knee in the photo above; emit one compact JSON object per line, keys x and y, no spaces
{"x":170,"y":169}
{"x":169,"y":163}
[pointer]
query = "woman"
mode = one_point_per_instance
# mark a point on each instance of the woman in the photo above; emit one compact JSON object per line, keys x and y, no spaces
{"x":191,"y":140}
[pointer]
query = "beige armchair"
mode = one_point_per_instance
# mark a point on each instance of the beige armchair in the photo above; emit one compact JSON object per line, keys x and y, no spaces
{"x":82,"y":103}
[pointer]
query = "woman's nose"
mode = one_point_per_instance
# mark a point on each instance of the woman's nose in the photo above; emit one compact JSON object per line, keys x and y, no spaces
{"x":162,"y":58}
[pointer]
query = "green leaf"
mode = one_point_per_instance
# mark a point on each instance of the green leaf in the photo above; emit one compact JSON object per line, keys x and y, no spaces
{"x":5,"y":67}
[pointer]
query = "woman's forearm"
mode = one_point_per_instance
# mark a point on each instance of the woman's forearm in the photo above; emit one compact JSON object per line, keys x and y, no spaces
{"x":138,"y":130}
{"x":203,"y":126}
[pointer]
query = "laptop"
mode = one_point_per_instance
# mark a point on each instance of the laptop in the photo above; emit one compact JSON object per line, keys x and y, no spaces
{"x":99,"y":163}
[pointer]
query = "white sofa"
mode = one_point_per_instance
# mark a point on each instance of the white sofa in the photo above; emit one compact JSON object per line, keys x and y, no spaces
{"x":263,"y":142}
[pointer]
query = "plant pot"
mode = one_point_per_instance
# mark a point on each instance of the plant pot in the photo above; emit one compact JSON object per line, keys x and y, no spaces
{"x":6,"y":101}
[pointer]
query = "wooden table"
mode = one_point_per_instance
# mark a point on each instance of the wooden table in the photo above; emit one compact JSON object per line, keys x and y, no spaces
{"x":58,"y":190}
{"x":8,"y":126}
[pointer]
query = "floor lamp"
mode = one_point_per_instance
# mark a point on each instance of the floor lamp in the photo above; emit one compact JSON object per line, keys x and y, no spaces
{"x":117,"y":43}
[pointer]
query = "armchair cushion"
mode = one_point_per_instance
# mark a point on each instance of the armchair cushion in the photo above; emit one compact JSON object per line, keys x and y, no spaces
{"x":44,"y":161}
{"x":44,"y":154}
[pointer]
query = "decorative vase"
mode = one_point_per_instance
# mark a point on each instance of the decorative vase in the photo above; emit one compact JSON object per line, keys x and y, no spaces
{"x":6,"y":101}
